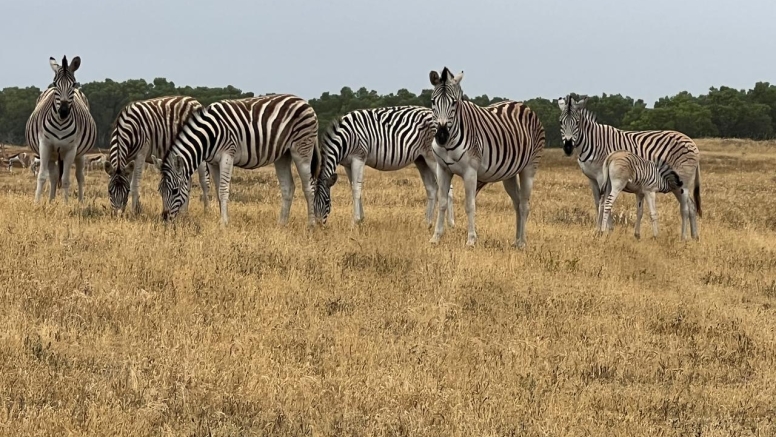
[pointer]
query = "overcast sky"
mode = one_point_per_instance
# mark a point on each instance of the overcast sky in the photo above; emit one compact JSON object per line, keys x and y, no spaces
{"x":510,"y":48}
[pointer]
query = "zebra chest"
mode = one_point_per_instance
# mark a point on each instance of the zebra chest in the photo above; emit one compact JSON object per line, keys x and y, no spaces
{"x":592,"y":169}
{"x":457,"y":160}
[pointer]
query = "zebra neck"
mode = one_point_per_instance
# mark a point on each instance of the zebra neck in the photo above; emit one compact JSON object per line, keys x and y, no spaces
{"x":594,"y":143}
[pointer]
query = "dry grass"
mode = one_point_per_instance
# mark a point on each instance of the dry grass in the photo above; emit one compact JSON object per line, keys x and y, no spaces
{"x":125,"y":327}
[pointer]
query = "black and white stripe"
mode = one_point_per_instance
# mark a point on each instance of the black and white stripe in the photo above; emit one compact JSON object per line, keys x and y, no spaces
{"x":144,"y":130}
{"x":61,"y":130}
{"x":498,"y":143}
{"x":624,"y":170}
{"x":248,"y":133}
{"x":595,"y":141}
{"x":386,"y":139}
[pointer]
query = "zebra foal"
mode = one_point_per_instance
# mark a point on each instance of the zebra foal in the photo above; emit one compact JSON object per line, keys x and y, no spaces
{"x":595,"y":141}
{"x":625,"y":170}
{"x":386,"y":139}
{"x":248,"y":133}
{"x":61,"y":131}
{"x":143,"y":130}
{"x":502,"y":142}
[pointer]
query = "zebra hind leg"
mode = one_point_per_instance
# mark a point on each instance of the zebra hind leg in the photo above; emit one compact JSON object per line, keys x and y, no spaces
{"x":526,"y":187}
{"x":639,"y":214}
{"x":304,"y":170}
{"x":79,"y":176}
{"x":513,"y":189}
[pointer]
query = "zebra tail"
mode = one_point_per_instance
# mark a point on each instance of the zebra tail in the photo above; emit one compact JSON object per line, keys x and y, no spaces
{"x":315,"y":163}
{"x":696,"y":193}
{"x":61,"y":164}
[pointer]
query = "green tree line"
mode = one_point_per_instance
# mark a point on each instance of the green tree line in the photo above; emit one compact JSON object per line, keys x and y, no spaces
{"x":722,"y":112}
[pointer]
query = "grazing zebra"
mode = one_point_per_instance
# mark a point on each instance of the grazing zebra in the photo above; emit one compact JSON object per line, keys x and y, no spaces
{"x":248,"y":133}
{"x":143,"y":130}
{"x":497,"y":143}
{"x":623,"y":169}
{"x":595,"y":141}
{"x":61,"y":130}
{"x":22,"y":158}
{"x":386,"y":139}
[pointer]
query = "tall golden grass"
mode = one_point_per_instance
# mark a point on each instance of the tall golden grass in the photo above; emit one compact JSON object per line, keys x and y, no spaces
{"x":126,"y":327}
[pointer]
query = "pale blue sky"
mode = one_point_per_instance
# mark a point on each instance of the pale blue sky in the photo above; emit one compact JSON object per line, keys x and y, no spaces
{"x":511,"y":48}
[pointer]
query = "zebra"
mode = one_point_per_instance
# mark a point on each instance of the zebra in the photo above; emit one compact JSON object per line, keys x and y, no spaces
{"x":623,"y":169}
{"x":22,"y":158}
{"x":61,"y":131}
{"x":386,"y":139}
{"x":248,"y":133}
{"x":143,"y":130}
{"x":595,"y":141}
{"x":497,"y":143}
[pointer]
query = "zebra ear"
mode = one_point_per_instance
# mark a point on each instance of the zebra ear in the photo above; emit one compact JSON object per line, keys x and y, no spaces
{"x":75,"y":63}
{"x":562,"y":104}
{"x":108,"y":168}
{"x":458,"y":78}
{"x":54,"y":65}
{"x":433,"y":77}
{"x":129,"y":168}
{"x":332,"y":180}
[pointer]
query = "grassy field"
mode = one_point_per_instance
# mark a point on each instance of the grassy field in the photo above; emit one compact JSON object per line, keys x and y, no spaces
{"x":127,"y":327}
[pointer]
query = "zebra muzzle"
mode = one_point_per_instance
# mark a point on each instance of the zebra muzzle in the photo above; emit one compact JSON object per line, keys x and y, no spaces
{"x":64,"y":110}
{"x":442,"y":135}
{"x":568,"y":147}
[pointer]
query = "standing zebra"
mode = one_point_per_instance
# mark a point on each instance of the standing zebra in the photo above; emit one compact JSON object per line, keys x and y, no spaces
{"x":623,"y":169}
{"x":497,"y":143}
{"x":386,"y":139}
{"x":248,"y":133}
{"x":61,"y":131}
{"x":143,"y":130}
{"x":579,"y":129}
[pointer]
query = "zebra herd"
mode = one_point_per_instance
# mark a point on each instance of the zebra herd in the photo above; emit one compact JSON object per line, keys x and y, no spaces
{"x":502,"y":142}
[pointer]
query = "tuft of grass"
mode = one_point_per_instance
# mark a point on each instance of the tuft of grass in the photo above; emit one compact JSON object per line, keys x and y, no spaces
{"x":126,"y":326}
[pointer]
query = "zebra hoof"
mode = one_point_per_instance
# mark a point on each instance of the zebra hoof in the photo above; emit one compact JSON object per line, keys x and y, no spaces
{"x":434,"y":239}
{"x":518,"y":244}
{"x":637,"y":235}
{"x":471,"y":241}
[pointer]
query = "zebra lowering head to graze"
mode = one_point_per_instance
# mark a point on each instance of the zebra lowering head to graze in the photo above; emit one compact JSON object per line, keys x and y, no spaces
{"x":498,"y":143}
{"x":595,"y":141}
{"x":386,"y":139}
{"x":61,"y":131}
{"x":143,"y":130}
{"x":623,"y":169}
{"x":22,"y":158}
{"x":248,"y":133}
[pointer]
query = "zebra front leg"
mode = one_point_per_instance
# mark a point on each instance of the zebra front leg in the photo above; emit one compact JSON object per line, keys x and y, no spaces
{"x":286,"y":181}
{"x":609,"y":201}
{"x":80,"y":163}
{"x":225,"y":178}
{"x":470,"y":188}
{"x":357,"y":183}
{"x":450,"y":209}
{"x":652,"y":212}
{"x":203,"y":184}
{"x":67,"y":163}
{"x":639,"y":213}
{"x":134,"y":184}
{"x":43,"y":171}
{"x":443,"y":177}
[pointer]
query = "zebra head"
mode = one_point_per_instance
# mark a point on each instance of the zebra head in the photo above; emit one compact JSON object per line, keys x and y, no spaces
{"x":64,"y":84}
{"x":322,"y":201}
{"x":173,"y":186}
{"x":570,"y":116}
{"x":445,"y":97}
{"x":118,"y":184}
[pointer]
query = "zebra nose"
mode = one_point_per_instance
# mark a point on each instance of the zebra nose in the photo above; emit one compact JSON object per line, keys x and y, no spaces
{"x":166,"y":215}
{"x":568,"y":147}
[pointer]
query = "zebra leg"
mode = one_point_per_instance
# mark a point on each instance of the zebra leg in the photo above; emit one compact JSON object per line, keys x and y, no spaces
{"x":596,"y":199}
{"x":639,"y":213}
{"x":225,"y":173}
{"x":215,"y":178}
{"x":450,"y":209}
{"x":357,"y":182}
{"x":443,"y":177}
{"x":304,"y":170}
{"x":79,"y":176}
{"x":526,"y":187}
{"x":512,"y":188}
{"x":68,"y":160}
{"x":608,"y":203}
{"x":683,"y":196}
{"x":53,"y":179}
{"x":470,"y":187}
{"x":429,"y":182}
{"x":652,"y":212}
{"x":43,"y":171}
{"x":203,"y":184}
{"x":134,"y":184}
{"x":286,"y":180}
